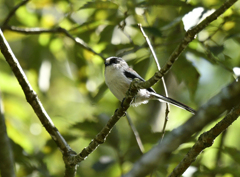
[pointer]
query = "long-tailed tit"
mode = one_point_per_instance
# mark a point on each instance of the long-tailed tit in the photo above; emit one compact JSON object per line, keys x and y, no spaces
{"x":118,"y":77}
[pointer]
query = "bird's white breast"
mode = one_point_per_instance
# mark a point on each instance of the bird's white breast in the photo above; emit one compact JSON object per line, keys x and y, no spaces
{"x":116,"y":82}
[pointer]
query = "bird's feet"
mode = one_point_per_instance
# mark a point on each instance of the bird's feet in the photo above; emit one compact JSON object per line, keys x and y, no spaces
{"x":122,"y":115}
{"x":122,"y":102}
{"x":122,"y":107}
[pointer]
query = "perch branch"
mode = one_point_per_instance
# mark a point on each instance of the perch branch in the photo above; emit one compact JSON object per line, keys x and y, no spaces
{"x":102,"y":135}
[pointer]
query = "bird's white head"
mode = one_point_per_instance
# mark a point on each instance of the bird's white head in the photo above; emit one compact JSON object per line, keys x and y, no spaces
{"x":115,"y":62}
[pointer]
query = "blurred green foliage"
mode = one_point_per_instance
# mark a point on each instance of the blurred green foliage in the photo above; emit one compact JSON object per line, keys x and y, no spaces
{"x":69,"y":81}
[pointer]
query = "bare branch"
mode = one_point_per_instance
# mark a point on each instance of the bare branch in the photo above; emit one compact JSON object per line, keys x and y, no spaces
{"x":102,"y":135}
{"x":226,"y":99}
{"x":32,"y":98}
{"x":6,"y":154}
{"x":189,"y":36}
{"x":205,"y":140}
{"x":37,"y":30}
{"x":135,"y":133}
{"x":150,"y":46}
{"x":13,"y":11}
{"x":138,"y":169}
{"x":163,"y":80}
{"x":218,"y":161}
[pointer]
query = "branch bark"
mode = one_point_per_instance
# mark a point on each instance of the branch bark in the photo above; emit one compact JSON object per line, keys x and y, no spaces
{"x":205,"y":140}
{"x":224,"y":100}
{"x":33,"y":100}
{"x":38,"y":30}
{"x":227,"y":98}
{"x":102,"y":135}
{"x":189,"y":36}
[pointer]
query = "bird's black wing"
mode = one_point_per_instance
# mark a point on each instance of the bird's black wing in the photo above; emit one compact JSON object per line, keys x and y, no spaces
{"x":136,"y":75}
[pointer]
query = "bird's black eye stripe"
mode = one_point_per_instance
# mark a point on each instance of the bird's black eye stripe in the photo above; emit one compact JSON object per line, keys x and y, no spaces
{"x":114,"y":61}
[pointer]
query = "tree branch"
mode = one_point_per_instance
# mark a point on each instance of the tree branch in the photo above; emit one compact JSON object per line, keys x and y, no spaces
{"x":102,"y":135}
{"x":226,"y":99}
{"x":205,"y":140}
{"x":189,"y":36}
{"x":32,"y":98}
{"x":37,"y":30}
{"x":6,"y":155}
{"x":136,"y":134}
{"x":136,"y":85}
{"x":163,"y":80}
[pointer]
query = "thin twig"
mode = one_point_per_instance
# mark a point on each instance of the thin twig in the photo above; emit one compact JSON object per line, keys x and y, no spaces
{"x":136,"y":134}
{"x":159,"y":154}
{"x":226,"y":99}
{"x":218,"y":161}
{"x":13,"y":11}
{"x":204,"y":141}
{"x":34,"y":30}
{"x":152,"y":50}
{"x":37,"y":30}
{"x":163,"y":80}
{"x":189,"y":36}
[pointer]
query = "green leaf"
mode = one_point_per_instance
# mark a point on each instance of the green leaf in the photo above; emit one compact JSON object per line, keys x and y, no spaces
{"x":216,"y":49}
{"x":106,"y":34}
{"x":186,"y":72}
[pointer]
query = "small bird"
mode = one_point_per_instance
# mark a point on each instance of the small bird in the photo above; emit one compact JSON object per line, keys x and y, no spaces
{"x":118,"y":77}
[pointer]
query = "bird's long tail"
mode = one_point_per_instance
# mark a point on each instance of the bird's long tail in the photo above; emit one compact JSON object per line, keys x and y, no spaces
{"x":174,"y":102}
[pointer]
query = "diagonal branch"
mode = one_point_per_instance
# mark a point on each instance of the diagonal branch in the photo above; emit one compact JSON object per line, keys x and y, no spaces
{"x":37,"y":30}
{"x":205,"y":140}
{"x":102,"y":135}
{"x":144,"y":166}
{"x":136,"y":134}
{"x":32,"y":97}
{"x":189,"y":36}
{"x":135,"y":85}
{"x":227,"y":98}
